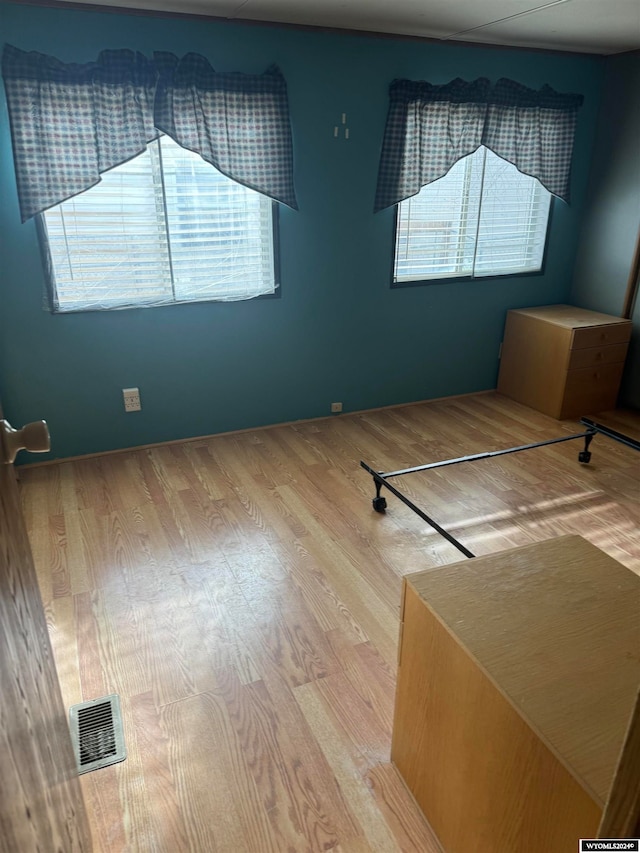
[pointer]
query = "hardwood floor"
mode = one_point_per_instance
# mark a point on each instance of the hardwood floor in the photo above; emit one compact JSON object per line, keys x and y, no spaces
{"x":242,"y":597}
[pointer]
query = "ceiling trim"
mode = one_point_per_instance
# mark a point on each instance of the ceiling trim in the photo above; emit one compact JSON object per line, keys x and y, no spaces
{"x":510,"y":17}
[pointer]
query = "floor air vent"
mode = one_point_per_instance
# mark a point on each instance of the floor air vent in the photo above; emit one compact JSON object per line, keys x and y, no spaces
{"x":96,"y":732}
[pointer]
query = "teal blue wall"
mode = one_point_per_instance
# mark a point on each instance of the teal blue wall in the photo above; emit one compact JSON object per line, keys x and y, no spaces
{"x":338,"y":332}
{"x":612,"y":210}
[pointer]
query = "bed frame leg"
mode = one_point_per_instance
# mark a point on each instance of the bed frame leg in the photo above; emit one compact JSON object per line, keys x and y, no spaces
{"x":379,"y":503}
{"x":585,"y":455}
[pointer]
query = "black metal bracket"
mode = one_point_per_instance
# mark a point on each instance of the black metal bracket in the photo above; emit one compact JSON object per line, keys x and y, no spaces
{"x":380,"y":504}
{"x":381,"y":478}
{"x":610,"y":433}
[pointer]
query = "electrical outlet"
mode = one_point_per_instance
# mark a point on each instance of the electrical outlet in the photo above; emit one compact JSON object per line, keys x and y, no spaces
{"x":336,"y":407}
{"x":131,"y":397}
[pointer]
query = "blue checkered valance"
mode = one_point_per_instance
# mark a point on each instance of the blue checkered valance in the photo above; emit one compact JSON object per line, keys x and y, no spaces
{"x":429,"y":128}
{"x":70,"y":123}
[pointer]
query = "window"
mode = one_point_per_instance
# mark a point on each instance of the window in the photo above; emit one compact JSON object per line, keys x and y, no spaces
{"x":164,"y":227}
{"x":483,"y":218}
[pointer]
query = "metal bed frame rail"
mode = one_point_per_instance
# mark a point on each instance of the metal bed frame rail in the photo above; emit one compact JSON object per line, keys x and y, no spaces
{"x":381,"y":478}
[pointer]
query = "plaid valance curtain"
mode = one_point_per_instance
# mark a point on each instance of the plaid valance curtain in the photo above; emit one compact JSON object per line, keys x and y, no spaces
{"x":429,"y":128}
{"x":70,"y":123}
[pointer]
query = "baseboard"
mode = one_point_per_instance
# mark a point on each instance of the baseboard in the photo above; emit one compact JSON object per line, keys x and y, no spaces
{"x":134,"y":448}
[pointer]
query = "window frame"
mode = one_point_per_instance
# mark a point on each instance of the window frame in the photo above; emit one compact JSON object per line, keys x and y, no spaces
{"x":452,"y":279}
{"x":51,"y":305}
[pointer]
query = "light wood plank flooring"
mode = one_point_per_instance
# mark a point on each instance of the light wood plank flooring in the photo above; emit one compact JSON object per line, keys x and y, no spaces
{"x":241,"y":596}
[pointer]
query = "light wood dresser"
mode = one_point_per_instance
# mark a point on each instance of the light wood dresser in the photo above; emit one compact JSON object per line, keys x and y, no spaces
{"x":563,"y":361}
{"x":516,"y":684}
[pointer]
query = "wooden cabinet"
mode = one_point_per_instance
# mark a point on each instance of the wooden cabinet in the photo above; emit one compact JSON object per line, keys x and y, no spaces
{"x":563,"y":361}
{"x":516,"y":683}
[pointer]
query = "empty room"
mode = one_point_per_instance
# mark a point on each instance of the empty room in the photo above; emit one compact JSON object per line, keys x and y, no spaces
{"x":319,"y":426}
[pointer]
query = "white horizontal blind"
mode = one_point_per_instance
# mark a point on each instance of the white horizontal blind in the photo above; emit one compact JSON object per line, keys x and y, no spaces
{"x":482,"y":218}
{"x":513,"y":220}
{"x":164,"y":227}
{"x":220,"y":231}
{"x":107,"y":245}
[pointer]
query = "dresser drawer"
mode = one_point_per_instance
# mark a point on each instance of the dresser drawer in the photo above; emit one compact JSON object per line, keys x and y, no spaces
{"x":595,"y":336}
{"x":591,"y":389}
{"x":595,"y":356}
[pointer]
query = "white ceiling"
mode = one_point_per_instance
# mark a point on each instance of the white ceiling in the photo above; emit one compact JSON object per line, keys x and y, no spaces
{"x":591,"y":26}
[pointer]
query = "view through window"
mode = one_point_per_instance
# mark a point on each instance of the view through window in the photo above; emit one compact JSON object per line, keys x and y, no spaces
{"x":483,"y":218}
{"x":161,"y":228}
